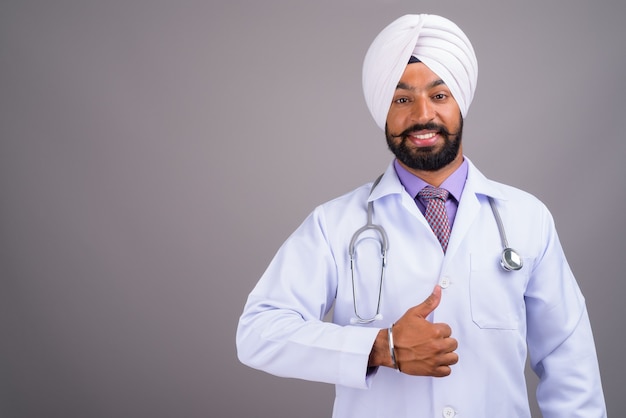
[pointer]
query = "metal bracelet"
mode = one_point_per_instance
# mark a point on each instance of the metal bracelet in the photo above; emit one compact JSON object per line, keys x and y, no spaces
{"x":392,"y":350}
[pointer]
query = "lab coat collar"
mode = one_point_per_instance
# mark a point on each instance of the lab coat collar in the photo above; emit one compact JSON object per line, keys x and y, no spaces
{"x":476,"y":183}
{"x":477,"y":188}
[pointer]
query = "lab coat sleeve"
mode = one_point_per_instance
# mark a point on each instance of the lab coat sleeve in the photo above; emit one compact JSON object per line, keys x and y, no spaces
{"x":281,"y":330}
{"x":560,"y":341}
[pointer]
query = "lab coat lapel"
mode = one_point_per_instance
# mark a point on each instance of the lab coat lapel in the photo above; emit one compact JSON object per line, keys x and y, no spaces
{"x":469,"y":206}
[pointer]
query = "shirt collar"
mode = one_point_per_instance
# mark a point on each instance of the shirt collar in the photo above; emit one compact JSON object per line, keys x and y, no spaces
{"x":454,"y":184}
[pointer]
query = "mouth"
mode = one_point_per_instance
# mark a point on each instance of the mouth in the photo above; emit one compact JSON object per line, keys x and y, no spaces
{"x":424,"y":139}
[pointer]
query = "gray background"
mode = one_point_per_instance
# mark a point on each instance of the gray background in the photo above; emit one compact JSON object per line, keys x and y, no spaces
{"x":155,"y":154}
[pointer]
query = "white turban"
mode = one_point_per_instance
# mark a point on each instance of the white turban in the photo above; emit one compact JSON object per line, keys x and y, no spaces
{"x":435,"y":41}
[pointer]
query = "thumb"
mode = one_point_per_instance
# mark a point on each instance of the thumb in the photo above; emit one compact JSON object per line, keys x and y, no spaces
{"x":425,"y":308}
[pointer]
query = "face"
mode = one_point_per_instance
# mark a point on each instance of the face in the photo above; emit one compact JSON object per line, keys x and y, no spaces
{"x":424,"y":123}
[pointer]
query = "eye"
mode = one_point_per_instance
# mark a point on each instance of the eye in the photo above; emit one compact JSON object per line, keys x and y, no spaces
{"x":440,"y":96}
{"x":401,"y":100}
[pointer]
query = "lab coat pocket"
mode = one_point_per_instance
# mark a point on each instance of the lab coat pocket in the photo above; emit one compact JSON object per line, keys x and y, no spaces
{"x":496,"y":295}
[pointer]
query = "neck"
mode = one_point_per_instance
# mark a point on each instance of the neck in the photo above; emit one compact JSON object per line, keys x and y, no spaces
{"x":435,"y":178}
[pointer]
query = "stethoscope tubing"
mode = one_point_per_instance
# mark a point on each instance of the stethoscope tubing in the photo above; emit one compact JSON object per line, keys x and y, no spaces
{"x":509,"y":260}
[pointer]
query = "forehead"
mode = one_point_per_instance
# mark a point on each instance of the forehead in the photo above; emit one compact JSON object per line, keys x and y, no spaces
{"x":419,"y":76}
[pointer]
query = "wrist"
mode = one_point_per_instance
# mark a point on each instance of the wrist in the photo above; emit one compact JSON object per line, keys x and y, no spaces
{"x":379,"y":356}
{"x":392,"y":348}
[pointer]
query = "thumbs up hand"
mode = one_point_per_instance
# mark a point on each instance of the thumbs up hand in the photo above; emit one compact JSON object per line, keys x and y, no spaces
{"x":423,"y":348}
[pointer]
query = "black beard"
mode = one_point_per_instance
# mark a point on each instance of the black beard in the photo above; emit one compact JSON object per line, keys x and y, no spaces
{"x":426,"y":159}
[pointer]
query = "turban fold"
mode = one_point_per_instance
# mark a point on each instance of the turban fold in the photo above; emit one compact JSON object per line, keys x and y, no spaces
{"x":437,"y":42}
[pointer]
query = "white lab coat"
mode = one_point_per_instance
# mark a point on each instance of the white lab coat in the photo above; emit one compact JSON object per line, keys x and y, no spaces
{"x":493,"y":313}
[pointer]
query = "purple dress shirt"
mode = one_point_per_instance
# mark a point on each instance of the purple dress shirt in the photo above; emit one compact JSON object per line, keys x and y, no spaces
{"x":454,"y":184}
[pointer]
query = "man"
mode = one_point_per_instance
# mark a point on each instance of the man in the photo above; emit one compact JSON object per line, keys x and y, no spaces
{"x":437,"y":327}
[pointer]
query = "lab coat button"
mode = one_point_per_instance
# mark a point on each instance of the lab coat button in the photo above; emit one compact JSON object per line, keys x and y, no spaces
{"x":444,"y":282}
{"x":448,"y":412}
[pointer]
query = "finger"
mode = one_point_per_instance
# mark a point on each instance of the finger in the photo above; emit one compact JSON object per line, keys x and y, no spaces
{"x":445,"y":368}
{"x":430,"y":304}
{"x":442,"y":371}
{"x":445,"y":345}
{"x":442,"y":330}
{"x":449,"y":359}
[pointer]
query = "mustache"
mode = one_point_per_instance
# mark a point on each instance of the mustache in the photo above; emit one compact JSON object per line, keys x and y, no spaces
{"x":431,"y":126}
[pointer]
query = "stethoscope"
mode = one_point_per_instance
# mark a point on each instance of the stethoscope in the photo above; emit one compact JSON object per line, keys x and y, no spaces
{"x":510,"y":260}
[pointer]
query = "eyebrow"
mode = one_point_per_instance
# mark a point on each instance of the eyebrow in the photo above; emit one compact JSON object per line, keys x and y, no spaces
{"x":404,"y":86}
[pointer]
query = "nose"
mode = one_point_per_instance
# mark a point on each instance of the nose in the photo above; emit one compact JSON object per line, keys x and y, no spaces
{"x":422,"y":110}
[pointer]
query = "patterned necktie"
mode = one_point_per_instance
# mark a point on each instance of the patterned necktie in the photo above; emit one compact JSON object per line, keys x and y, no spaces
{"x":436,"y":213}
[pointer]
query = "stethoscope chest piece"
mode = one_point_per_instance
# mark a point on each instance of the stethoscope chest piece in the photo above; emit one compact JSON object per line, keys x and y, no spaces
{"x":511,"y":260}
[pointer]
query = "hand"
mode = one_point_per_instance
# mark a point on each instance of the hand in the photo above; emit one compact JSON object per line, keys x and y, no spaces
{"x":423,"y":348}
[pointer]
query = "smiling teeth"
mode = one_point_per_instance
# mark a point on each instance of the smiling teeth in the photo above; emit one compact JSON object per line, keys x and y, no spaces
{"x":425,"y":136}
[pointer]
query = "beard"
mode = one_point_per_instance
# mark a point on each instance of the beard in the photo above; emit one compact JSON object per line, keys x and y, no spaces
{"x":426,"y":158}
